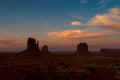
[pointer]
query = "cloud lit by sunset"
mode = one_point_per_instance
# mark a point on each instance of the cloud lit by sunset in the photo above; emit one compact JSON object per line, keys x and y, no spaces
{"x":76,"y":23}
{"x":59,"y":23}
{"x":10,"y":43}
{"x":110,"y":19}
{"x":79,"y":34}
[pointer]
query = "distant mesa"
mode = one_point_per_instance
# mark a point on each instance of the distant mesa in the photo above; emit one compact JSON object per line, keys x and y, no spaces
{"x":32,"y":48}
{"x":110,"y":50}
{"x":45,"y":50}
{"x":82,"y":48}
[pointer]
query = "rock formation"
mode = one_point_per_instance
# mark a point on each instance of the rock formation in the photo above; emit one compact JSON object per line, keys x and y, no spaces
{"x":45,"y":50}
{"x":82,"y":48}
{"x":110,"y":50}
{"x":32,"y":43}
{"x":32,"y":48}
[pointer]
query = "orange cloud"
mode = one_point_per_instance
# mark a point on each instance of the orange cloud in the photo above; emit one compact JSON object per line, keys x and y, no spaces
{"x":79,"y":34}
{"x":9,"y":42}
{"x":76,"y":23}
{"x":109,"y":20}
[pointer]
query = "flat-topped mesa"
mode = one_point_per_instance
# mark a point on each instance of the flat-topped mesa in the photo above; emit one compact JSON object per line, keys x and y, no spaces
{"x":45,"y":50}
{"x":110,"y":50}
{"x":82,"y":48}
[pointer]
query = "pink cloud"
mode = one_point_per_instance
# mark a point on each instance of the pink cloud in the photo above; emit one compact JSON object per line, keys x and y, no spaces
{"x":9,"y":42}
{"x":79,"y":34}
{"x":109,"y":20}
{"x":76,"y":23}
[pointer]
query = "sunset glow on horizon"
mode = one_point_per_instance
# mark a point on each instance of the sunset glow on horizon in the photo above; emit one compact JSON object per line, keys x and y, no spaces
{"x":60,"y":24}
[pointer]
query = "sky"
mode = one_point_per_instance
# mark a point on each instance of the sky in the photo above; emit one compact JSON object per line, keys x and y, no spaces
{"x":60,"y":24}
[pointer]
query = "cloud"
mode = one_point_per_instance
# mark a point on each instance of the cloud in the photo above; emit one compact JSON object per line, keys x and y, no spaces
{"x":79,"y":34}
{"x":9,"y":42}
{"x":76,"y":23}
{"x":83,"y":1}
{"x":103,"y":3}
{"x":109,"y":20}
{"x":79,"y":17}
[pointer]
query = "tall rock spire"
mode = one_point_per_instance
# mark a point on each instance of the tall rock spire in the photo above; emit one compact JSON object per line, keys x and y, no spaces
{"x":31,"y":43}
{"x":32,"y":47}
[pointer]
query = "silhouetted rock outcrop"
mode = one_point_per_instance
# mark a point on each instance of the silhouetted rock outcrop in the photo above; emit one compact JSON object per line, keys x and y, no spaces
{"x":82,"y":48}
{"x":110,"y":50}
{"x":32,"y":43}
{"x":45,"y":50}
{"x":32,"y":48}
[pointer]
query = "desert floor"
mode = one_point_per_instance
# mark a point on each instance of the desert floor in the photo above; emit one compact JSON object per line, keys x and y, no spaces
{"x":59,"y":67}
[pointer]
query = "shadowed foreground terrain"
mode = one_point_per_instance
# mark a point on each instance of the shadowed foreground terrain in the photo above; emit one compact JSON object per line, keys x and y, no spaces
{"x":36,"y":64}
{"x":59,"y":67}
